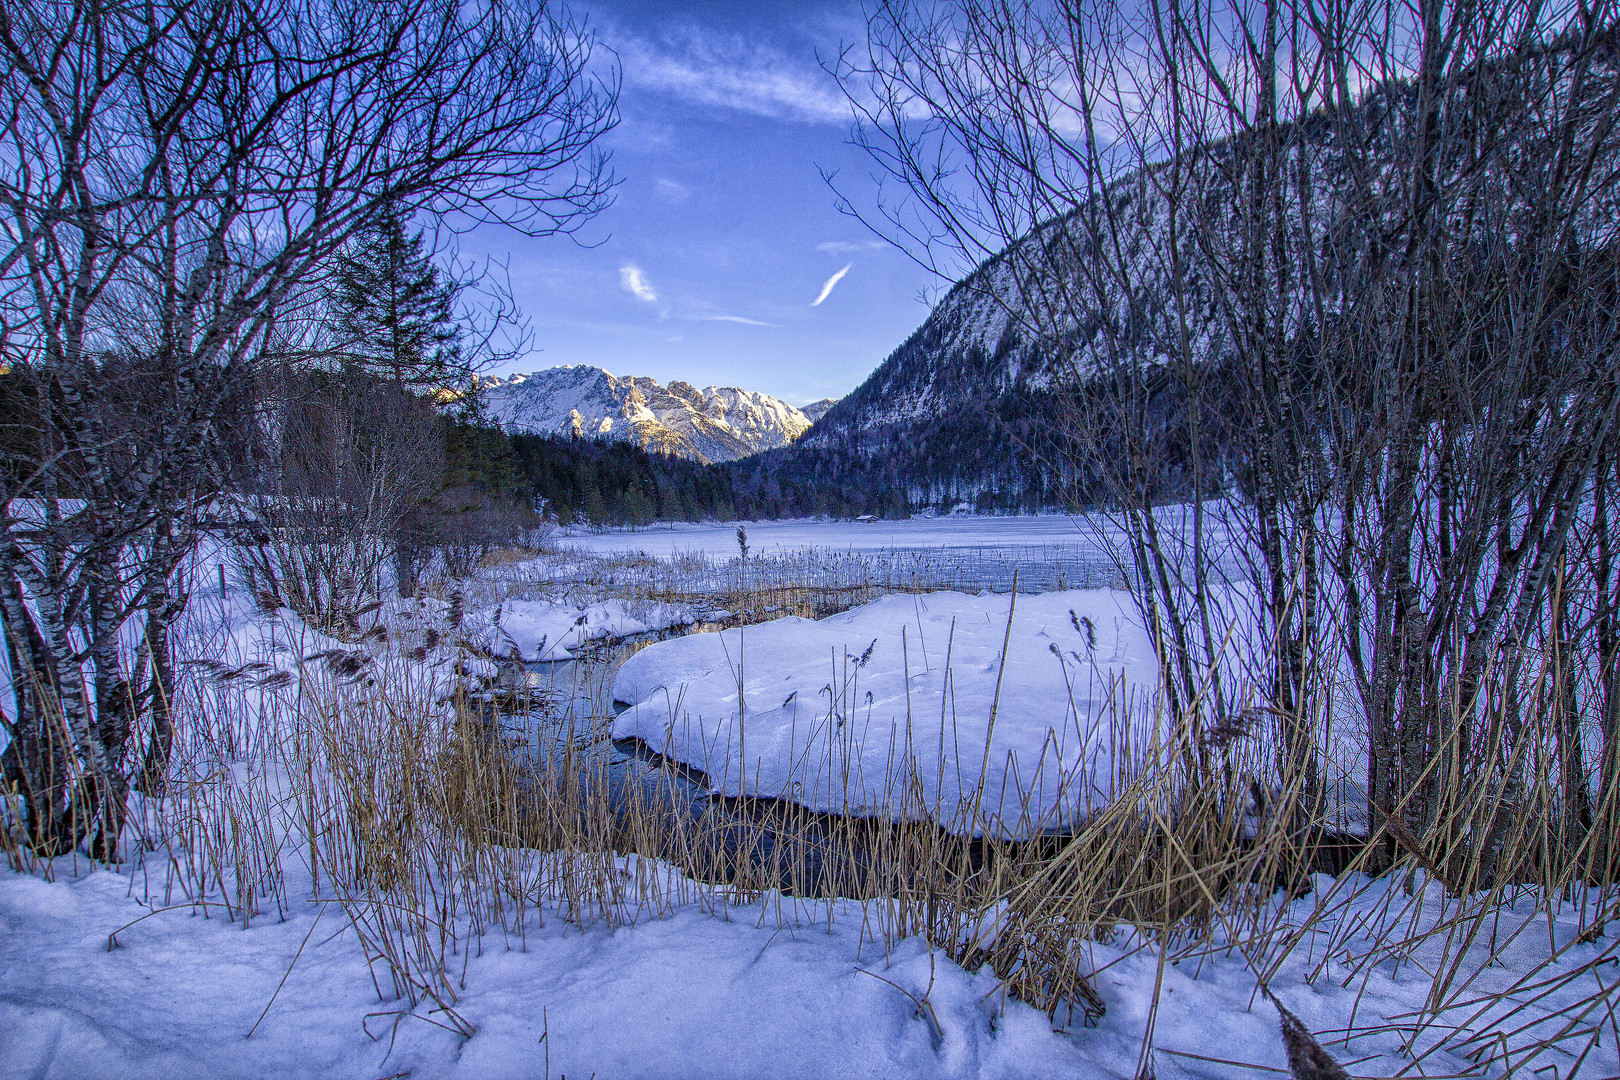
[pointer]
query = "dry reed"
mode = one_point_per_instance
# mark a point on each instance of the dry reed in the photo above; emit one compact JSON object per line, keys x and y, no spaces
{"x":436,"y":826}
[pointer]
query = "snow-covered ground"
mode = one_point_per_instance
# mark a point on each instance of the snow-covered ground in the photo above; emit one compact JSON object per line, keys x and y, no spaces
{"x":550,"y":630}
{"x":740,"y":992}
{"x":723,"y":985}
{"x":941,"y":697}
{"x":696,"y":994}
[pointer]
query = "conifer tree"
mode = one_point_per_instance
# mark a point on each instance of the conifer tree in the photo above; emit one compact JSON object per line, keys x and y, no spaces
{"x":394,"y":310}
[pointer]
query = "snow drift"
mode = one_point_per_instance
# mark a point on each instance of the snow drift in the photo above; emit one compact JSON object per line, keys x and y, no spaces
{"x":937,"y":705}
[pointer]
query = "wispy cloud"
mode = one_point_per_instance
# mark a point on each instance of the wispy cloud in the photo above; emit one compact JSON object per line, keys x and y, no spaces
{"x":732,"y":318}
{"x":844,"y":247}
{"x":634,"y":282}
{"x":706,"y":68}
{"x":671,"y":190}
{"x":826,"y":290}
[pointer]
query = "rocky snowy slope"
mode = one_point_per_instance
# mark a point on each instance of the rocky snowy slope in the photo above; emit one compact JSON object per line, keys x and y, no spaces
{"x":817,"y":409}
{"x":712,"y":424}
{"x":975,"y":403}
{"x":969,"y":403}
{"x":964,"y":351}
{"x":997,"y":384}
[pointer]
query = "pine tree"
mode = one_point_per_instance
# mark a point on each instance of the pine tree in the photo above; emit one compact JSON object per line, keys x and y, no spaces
{"x":394,"y":310}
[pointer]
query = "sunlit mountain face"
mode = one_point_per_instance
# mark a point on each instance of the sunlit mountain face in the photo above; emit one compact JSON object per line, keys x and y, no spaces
{"x":707,"y":425}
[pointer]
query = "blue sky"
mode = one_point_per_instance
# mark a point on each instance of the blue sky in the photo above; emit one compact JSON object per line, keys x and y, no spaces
{"x":723,"y":235}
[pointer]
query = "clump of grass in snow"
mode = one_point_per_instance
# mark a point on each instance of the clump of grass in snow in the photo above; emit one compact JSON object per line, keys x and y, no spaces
{"x":808,"y":582}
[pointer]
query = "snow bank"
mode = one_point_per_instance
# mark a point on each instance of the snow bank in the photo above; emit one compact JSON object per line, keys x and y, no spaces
{"x":907,"y":705}
{"x":547,"y":630}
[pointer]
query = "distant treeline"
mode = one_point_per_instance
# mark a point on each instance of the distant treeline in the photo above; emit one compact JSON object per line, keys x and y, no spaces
{"x":1000,"y":459}
{"x":1014,"y":453}
{"x":576,"y":481}
{"x":616,"y":483}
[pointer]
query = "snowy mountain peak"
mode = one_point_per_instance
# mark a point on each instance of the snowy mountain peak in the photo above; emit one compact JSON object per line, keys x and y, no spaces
{"x":712,"y":424}
{"x":817,"y":409}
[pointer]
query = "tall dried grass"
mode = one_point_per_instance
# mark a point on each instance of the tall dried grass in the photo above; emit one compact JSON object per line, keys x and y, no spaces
{"x":808,"y":582}
{"x":436,"y":826}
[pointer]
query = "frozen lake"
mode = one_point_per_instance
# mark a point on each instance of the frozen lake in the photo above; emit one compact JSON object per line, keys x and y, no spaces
{"x":1049,"y":551}
{"x":918,"y":533}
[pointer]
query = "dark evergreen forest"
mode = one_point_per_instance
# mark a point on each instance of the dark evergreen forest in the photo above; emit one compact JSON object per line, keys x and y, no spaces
{"x":584,"y":481}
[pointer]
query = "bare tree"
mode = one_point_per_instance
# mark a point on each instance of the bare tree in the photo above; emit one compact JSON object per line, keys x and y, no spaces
{"x":1331,"y":288}
{"x":354,"y":457}
{"x":175,"y":180}
{"x":353,"y":444}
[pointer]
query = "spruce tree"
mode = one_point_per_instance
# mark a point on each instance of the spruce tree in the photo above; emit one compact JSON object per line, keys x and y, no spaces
{"x":394,"y":310}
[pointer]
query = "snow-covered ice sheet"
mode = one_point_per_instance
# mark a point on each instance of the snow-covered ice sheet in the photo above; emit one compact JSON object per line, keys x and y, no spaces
{"x":720,"y":540}
{"x":912,"y":698}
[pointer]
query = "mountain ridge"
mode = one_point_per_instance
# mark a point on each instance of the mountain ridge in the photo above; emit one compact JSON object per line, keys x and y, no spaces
{"x":1002,"y":394}
{"x":714,"y":424}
